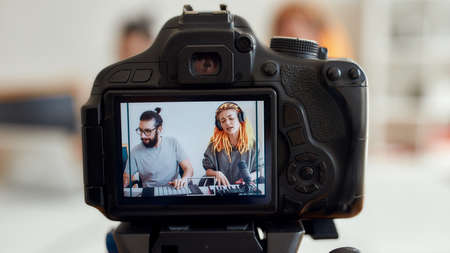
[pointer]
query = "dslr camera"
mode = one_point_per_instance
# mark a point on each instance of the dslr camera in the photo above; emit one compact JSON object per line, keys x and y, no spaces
{"x":210,"y":122}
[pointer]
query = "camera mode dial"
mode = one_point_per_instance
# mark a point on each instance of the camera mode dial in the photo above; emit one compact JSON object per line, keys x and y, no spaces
{"x":295,"y":47}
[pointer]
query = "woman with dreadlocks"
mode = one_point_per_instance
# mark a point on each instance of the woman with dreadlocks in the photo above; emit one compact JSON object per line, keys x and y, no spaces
{"x":232,"y":147}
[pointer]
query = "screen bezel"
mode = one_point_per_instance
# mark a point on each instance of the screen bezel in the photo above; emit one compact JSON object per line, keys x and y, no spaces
{"x":192,"y":205}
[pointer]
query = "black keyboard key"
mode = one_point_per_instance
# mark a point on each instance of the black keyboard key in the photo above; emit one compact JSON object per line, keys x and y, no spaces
{"x":194,"y":189}
{"x":148,"y":192}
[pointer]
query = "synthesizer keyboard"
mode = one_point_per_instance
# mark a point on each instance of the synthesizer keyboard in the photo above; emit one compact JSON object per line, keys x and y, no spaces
{"x":195,"y":190}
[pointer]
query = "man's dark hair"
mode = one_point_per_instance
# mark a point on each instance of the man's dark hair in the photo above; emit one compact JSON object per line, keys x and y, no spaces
{"x":149,"y":115}
{"x":141,"y":26}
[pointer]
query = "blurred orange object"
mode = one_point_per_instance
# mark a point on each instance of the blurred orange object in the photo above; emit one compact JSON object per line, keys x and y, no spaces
{"x":309,"y":21}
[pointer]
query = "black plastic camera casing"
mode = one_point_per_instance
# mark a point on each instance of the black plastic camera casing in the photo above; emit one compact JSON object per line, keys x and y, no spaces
{"x":317,"y":118}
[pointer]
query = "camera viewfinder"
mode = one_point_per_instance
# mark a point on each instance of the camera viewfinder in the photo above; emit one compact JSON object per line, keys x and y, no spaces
{"x":205,"y":64}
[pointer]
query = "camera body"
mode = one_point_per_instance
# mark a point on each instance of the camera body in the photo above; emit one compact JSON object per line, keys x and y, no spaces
{"x":314,"y":117}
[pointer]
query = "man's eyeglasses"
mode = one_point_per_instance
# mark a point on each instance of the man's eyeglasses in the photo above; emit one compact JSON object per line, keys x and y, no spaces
{"x":147,"y":132}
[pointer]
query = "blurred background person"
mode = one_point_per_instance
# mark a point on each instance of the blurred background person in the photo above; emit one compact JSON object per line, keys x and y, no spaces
{"x":135,"y":37}
{"x":311,"y":21}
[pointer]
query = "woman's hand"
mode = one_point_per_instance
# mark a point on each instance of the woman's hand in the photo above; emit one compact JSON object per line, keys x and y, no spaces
{"x":241,"y":181}
{"x":221,"y":179}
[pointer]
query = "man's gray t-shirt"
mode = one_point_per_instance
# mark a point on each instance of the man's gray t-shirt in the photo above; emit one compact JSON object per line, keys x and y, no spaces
{"x":158,"y":165}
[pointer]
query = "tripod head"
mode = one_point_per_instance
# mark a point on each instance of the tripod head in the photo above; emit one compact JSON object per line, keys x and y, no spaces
{"x":283,"y":236}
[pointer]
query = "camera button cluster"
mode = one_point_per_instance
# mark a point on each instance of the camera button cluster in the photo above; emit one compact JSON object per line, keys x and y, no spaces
{"x":306,"y":173}
{"x":126,"y":74}
{"x":339,"y":74}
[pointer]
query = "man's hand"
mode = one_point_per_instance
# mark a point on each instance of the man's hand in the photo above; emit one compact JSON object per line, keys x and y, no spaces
{"x":126,"y":180}
{"x":178,"y":183}
{"x":221,"y":179}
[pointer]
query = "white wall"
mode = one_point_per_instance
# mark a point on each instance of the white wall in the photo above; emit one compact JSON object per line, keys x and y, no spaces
{"x":50,"y":39}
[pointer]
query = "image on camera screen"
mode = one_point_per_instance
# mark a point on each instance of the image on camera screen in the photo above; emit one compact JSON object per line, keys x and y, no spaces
{"x":193,"y":149}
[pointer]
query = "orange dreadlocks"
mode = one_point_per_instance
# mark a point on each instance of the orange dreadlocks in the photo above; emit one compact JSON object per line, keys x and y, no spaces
{"x":220,"y":139}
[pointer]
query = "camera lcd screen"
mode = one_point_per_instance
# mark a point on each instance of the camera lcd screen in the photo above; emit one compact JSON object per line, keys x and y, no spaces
{"x":193,"y":149}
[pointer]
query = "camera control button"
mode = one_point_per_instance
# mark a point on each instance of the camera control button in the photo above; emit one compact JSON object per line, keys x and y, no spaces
{"x":292,"y":179}
{"x":294,"y":46}
{"x":269,"y":68}
{"x":244,"y":43}
{"x":334,"y":73}
{"x":120,"y":76}
{"x":311,"y":188}
{"x":323,"y":53}
{"x":296,"y":136}
{"x":291,"y":175}
{"x":307,"y":173}
{"x":301,"y":188}
{"x":142,"y":75}
{"x":354,"y":73}
{"x":291,"y":116}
